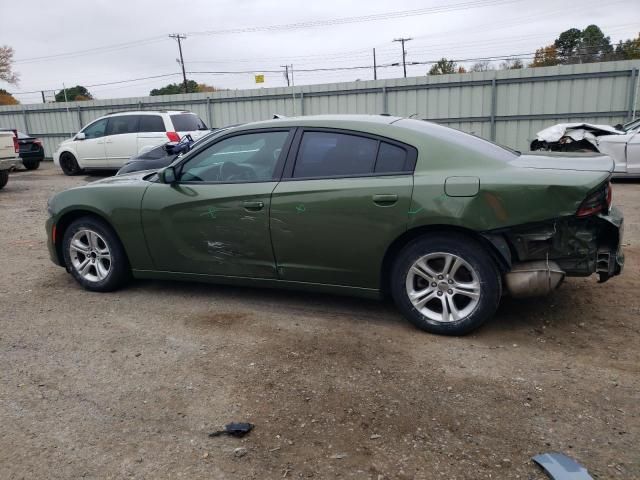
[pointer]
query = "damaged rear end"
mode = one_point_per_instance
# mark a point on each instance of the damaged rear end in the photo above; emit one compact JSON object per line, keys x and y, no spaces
{"x":578,"y":245}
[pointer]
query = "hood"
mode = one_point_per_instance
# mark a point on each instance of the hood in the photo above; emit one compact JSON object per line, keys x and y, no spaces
{"x":125,"y":179}
{"x":586,"y":162}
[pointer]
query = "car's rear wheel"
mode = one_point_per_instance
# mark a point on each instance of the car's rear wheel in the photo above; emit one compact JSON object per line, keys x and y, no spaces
{"x":4,"y":177}
{"x":94,"y":255}
{"x":31,"y":163}
{"x":69,"y":164}
{"x":446,"y":284}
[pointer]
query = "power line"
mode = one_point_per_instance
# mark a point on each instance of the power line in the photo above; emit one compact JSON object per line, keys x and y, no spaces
{"x":358,"y":19}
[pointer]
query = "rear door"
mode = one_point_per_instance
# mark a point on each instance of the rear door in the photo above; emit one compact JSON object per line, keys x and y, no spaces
{"x":121,"y":141}
{"x":344,"y":197}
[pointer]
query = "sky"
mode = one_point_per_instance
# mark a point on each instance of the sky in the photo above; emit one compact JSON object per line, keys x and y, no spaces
{"x":103,"y":41}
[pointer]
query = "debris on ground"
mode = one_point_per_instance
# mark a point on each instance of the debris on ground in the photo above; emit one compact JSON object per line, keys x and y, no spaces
{"x":560,"y":467}
{"x":238,"y":430}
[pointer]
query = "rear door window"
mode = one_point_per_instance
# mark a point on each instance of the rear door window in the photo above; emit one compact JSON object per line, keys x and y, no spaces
{"x":187,"y":122}
{"x":330,"y":154}
{"x":151,"y":123}
{"x":122,"y":124}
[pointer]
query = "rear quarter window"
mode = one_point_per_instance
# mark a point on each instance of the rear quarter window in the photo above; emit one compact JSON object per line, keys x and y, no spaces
{"x":187,"y":122}
{"x":151,"y":123}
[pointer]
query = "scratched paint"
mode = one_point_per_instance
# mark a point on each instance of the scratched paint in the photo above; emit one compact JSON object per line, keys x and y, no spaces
{"x":211,"y":213}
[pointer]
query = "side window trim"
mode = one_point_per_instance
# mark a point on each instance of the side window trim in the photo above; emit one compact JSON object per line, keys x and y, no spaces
{"x":287,"y":176}
{"x":277,"y":172}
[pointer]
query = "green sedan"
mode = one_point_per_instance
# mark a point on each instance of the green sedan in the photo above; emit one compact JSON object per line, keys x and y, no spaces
{"x":443,"y":222}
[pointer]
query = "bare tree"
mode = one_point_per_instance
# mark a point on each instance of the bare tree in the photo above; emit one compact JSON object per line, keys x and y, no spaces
{"x":6,"y":68}
{"x":511,"y":64}
{"x":482,"y":66}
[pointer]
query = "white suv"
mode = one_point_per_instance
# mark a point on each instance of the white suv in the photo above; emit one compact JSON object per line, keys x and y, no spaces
{"x":110,"y":141}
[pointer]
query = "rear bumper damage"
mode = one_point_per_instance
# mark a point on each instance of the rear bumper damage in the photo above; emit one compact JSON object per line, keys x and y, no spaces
{"x":541,"y":255}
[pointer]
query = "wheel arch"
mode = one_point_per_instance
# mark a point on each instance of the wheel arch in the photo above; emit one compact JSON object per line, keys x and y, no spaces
{"x":495,"y":246}
{"x":69,"y":217}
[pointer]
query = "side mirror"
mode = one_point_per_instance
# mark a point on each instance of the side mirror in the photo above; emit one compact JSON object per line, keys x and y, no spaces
{"x":167,"y":175}
{"x":80,"y":136}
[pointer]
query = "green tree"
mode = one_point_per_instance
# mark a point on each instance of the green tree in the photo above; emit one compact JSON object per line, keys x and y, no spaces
{"x":629,"y":49}
{"x":594,"y":45}
{"x":7,"y":99}
{"x":443,"y":67}
{"x":175,"y":88}
{"x":6,"y":66}
{"x":567,"y":45}
{"x":74,"y":94}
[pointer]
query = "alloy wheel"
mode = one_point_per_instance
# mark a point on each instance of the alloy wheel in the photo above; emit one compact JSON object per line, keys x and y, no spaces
{"x":443,"y":287}
{"x":90,"y":255}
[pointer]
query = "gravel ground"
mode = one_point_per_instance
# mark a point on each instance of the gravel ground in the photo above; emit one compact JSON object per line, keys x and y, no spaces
{"x":129,"y":384}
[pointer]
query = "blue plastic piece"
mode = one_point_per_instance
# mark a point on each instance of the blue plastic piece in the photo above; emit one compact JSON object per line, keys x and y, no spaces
{"x":560,"y":467}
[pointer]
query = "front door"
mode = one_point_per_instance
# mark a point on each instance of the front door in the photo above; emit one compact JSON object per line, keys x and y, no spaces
{"x":215,"y":219}
{"x":633,"y":154}
{"x":121,"y":142}
{"x":345,"y":200}
{"x":90,"y":150}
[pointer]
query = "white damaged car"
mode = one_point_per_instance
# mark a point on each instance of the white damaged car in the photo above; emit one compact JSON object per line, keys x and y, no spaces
{"x":622,"y":143}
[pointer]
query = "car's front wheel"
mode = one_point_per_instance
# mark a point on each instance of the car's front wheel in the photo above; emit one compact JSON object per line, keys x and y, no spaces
{"x":4,"y":177}
{"x":69,"y":164}
{"x":94,"y":255}
{"x":446,"y":284}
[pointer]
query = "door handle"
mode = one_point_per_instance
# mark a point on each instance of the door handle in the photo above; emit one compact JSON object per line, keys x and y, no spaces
{"x":384,"y":199}
{"x":253,"y":206}
{"x":109,"y":141}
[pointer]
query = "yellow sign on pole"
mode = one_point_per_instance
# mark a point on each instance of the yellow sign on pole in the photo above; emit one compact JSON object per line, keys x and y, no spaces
{"x":260,"y":78}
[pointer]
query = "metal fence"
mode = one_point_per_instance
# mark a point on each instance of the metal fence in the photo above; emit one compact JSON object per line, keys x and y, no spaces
{"x":507,"y":106}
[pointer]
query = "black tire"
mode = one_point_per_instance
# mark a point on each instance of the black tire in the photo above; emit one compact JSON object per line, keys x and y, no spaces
{"x":31,"y":163}
{"x":469,"y":250}
{"x":4,"y":177}
{"x":118,"y":271}
{"x":69,"y":164}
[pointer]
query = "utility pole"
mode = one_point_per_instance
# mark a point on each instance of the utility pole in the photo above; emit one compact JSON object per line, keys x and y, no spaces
{"x":404,"y":53}
{"x":375,"y":73}
{"x":43,"y":99}
{"x":179,"y":37}
{"x":286,"y":73}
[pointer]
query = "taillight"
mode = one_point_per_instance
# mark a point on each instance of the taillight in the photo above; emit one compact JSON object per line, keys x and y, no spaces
{"x":16,"y":145}
{"x":173,"y":136}
{"x":597,"y":202}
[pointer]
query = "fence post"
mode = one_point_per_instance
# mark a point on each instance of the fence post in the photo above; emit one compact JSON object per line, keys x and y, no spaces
{"x":494,"y":105}
{"x":385,"y":106}
{"x":80,"y":117}
{"x":301,"y":103}
{"x":25,"y":120}
{"x":209,"y":112}
{"x":632,"y":94}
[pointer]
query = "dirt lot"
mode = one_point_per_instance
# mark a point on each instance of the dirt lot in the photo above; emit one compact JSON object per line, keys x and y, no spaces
{"x":129,"y":384}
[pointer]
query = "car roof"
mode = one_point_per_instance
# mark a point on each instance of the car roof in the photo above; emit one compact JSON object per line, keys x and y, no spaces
{"x":147,"y":112}
{"x":325,"y":120}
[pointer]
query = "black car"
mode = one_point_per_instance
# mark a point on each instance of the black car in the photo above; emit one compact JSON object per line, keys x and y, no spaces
{"x":163,"y":155}
{"x":31,"y":150}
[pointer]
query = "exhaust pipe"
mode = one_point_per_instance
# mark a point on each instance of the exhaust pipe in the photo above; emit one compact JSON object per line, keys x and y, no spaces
{"x":533,"y":279}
